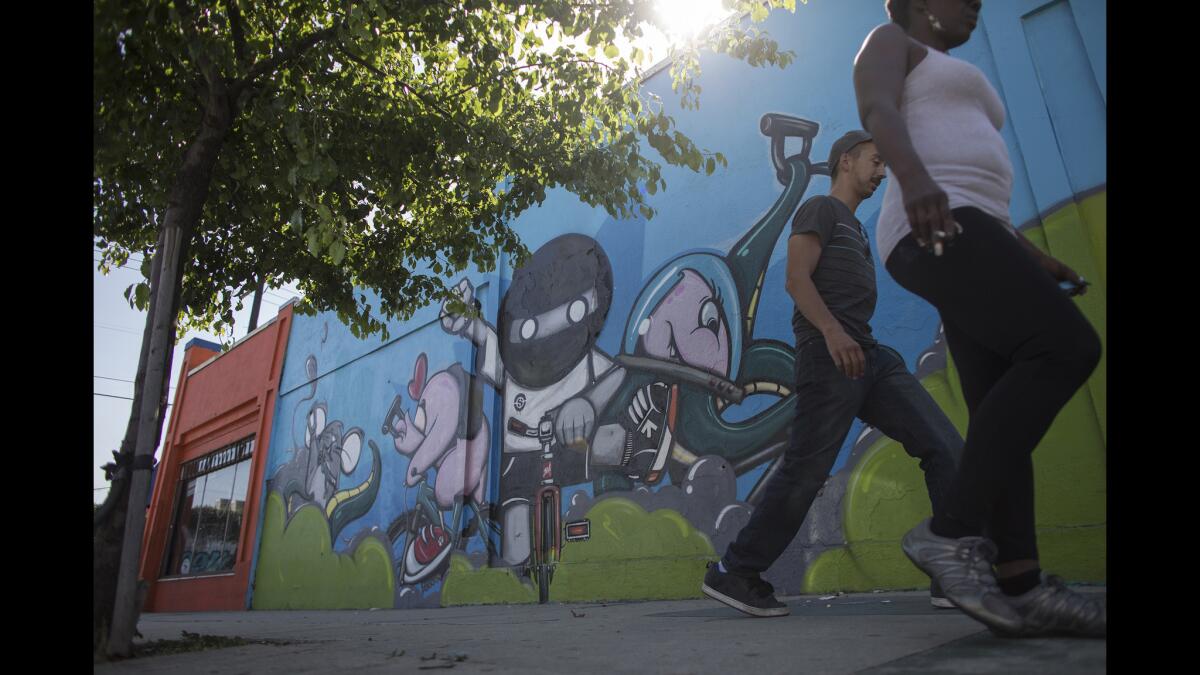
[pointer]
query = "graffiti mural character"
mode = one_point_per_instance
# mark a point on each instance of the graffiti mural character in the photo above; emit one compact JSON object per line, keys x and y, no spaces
{"x":689,"y":335}
{"x":543,"y":357}
{"x":447,"y":434}
{"x":313,"y":474}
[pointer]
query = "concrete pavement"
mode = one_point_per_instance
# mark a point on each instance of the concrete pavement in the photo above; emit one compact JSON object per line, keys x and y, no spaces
{"x":879,"y":633}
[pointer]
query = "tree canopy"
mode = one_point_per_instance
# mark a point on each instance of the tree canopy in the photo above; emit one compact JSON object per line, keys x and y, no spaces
{"x":364,"y":141}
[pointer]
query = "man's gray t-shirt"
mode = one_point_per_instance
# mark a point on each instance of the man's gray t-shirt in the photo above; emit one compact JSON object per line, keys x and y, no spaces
{"x":845,"y":272}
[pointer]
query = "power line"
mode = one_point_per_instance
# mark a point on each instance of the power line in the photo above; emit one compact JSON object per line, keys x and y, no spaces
{"x":116,"y":328}
{"x":127,"y":267}
{"x":117,"y":379}
{"x":127,"y":398}
{"x":130,"y":257}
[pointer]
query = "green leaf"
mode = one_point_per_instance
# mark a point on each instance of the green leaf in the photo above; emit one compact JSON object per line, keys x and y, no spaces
{"x":331,"y":141}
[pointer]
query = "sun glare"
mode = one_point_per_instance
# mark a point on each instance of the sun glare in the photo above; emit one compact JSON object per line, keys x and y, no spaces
{"x":686,"y":18}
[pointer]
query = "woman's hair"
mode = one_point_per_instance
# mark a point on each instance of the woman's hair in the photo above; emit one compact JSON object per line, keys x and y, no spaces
{"x":897,"y":11}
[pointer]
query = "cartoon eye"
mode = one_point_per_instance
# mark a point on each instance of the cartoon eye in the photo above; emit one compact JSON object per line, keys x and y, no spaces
{"x":710,"y":316}
{"x":316,"y":424}
{"x":419,"y":418}
{"x":528,"y":329}
{"x":577,"y":311}
{"x":351,"y":449}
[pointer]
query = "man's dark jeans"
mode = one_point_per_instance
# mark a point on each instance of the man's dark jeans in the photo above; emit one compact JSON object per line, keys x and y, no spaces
{"x":888,"y":398}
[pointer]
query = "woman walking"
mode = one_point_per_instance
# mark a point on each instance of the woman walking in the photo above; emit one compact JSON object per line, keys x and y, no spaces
{"x":1021,"y":345}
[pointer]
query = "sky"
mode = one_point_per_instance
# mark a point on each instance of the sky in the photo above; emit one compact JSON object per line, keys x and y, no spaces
{"x":116,"y":342}
{"x":117,"y":328}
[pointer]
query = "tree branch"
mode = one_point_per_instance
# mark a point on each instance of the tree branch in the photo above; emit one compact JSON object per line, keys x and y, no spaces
{"x":514,"y":69}
{"x":425,"y":99}
{"x":282,"y":58}
{"x":239,"y":34}
{"x":345,"y":52}
{"x":207,"y":69}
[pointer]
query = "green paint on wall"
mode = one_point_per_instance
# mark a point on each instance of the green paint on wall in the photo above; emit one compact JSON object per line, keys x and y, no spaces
{"x":1074,"y":234}
{"x":464,"y":585}
{"x":632,"y":554}
{"x":1076,"y":553}
{"x":1094,"y":211}
{"x":298,"y":569}
{"x":886,"y":492}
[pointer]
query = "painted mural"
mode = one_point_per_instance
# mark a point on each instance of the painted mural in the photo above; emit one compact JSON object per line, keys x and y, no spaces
{"x":603,"y":425}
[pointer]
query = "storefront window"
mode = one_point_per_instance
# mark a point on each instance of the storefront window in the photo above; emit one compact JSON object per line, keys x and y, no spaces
{"x":208,"y":516}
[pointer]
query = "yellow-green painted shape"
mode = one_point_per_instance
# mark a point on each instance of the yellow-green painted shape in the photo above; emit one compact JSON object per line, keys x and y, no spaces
{"x":632,"y":554}
{"x":465,"y":585}
{"x":298,"y":569}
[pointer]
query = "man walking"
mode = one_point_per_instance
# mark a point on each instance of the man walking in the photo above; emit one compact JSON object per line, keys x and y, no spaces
{"x":842,"y":372}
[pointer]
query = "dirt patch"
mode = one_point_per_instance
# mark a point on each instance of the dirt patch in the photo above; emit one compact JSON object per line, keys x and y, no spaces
{"x":194,"y":642}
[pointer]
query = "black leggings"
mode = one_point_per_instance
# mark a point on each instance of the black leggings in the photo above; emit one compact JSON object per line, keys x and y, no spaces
{"x":1022,"y":349}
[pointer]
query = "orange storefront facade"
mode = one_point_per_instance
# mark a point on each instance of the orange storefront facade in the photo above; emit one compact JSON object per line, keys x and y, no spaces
{"x":204,"y":511}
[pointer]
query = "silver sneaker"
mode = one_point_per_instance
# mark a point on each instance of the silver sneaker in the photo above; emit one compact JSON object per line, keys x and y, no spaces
{"x":937,"y":597}
{"x":963,"y":568}
{"x":1053,"y":609}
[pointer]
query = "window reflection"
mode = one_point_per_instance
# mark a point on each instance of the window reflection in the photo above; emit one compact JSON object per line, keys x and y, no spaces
{"x":208,"y":520}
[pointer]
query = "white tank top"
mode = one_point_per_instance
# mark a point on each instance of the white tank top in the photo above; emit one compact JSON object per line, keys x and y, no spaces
{"x":954,"y":117}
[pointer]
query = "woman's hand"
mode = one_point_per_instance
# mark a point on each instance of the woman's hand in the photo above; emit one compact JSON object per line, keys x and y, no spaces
{"x":1059,"y":270}
{"x":928,"y":211}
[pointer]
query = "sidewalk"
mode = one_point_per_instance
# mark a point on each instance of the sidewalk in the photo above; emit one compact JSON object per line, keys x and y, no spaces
{"x":874,"y":633}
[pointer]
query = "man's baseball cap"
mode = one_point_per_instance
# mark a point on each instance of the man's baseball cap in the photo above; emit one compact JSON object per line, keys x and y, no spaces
{"x":843,"y":145}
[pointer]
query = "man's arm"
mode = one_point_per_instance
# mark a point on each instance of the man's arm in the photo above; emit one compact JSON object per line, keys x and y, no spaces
{"x":804,"y":250}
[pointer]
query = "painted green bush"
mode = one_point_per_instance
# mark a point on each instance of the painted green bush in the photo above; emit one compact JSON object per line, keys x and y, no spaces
{"x":298,"y":569}
{"x":465,"y":585}
{"x":633,"y":554}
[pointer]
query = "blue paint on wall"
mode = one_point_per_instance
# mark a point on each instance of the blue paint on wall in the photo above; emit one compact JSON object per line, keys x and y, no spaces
{"x":1054,"y":94}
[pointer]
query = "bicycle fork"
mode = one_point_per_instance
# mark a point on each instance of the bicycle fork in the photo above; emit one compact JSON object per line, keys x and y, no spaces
{"x":547,"y":505}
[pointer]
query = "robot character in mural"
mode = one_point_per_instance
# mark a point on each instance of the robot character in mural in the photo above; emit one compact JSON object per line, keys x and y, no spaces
{"x":554,"y":380}
{"x":688,"y":352}
{"x":315,"y":470}
{"x":690,"y":335}
{"x":447,"y":434}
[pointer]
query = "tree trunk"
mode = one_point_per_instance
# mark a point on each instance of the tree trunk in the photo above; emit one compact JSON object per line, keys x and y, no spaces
{"x":108,"y":523}
{"x":180,"y":222}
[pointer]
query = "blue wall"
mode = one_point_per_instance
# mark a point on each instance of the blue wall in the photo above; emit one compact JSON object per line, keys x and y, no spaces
{"x":1047,"y":60}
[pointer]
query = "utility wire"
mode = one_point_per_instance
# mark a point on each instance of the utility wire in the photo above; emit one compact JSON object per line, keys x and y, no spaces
{"x":127,"y":398}
{"x":117,"y":328}
{"x":117,"y":379}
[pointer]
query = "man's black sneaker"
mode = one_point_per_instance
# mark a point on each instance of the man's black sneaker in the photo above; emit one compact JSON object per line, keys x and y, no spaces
{"x":751,"y":595}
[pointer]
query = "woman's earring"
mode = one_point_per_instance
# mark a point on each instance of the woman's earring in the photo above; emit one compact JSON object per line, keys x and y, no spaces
{"x":933,"y":21}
